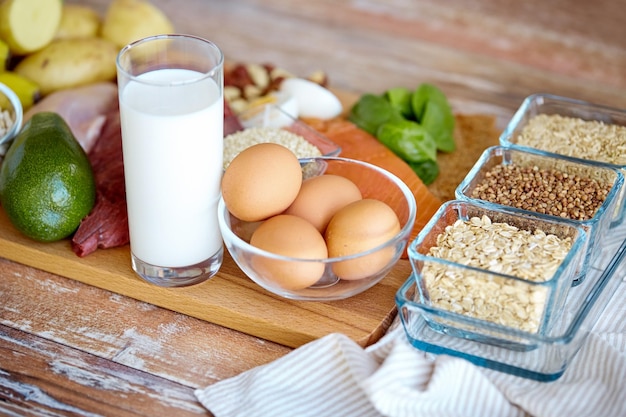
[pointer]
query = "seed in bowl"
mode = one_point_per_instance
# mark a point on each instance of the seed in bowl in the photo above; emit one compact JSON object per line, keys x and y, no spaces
{"x":238,"y":141}
{"x":573,"y":136}
{"x":497,"y":247}
{"x":546,"y":191}
{"x":6,"y":122}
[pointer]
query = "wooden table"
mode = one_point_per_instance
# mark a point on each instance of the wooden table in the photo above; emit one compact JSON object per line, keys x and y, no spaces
{"x":67,"y":348}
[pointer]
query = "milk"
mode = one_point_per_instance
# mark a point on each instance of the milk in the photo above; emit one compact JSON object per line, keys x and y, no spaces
{"x":173,"y":150}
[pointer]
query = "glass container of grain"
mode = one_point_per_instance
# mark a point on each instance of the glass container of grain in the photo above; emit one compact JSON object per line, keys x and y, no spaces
{"x":498,"y":273}
{"x":574,"y":128}
{"x":548,"y":185}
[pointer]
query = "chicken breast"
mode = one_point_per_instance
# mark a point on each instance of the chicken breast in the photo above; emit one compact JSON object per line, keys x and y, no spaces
{"x":83,"y":108}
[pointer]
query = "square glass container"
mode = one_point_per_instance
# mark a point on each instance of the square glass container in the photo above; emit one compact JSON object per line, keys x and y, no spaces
{"x":595,"y":226}
{"x":497,"y":300}
{"x":554,"y":349}
{"x":555,"y":138}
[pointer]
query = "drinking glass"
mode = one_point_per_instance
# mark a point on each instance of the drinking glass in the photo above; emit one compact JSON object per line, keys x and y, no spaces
{"x":172,"y":118}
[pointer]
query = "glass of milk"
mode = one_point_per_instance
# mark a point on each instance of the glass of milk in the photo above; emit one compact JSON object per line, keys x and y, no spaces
{"x":172,"y":118}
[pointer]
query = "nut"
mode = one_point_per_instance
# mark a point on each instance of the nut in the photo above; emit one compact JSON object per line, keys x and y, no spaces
{"x":259,"y":75}
{"x":251,"y":92}
{"x":319,"y":77}
{"x":238,"y":76}
{"x":238,"y":105}
{"x":280,"y":73}
{"x":231,"y":93}
{"x":245,"y":83}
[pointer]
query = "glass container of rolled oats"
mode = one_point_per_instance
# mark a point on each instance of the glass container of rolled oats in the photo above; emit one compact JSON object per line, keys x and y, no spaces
{"x":499,"y":273}
{"x":573,"y":128}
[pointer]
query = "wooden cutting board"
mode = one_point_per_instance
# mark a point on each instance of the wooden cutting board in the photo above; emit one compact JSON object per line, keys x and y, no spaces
{"x":231,"y":299}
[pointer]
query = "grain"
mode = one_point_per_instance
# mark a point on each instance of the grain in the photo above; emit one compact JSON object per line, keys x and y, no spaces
{"x":6,"y":122}
{"x":238,"y":141}
{"x":572,"y":136}
{"x":545,"y":191}
{"x":496,"y":247}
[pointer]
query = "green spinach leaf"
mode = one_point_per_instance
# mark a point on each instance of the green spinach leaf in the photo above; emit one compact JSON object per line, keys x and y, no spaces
{"x":438,"y":120}
{"x":427,"y":170}
{"x":426,"y":93}
{"x":400,"y":98}
{"x":408,"y":140}
{"x":371,"y":111}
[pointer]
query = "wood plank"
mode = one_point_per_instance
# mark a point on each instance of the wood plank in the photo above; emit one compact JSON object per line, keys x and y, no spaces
{"x":487,"y":57}
{"x":42,"y":378}
{"x":139,"y":335}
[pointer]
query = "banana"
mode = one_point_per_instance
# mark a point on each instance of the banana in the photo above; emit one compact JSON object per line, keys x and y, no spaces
{"x":27,"y":91}
{"x":5,"y":55}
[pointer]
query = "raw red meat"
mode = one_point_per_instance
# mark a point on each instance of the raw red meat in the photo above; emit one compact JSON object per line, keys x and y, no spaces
{"x":107,"y":224}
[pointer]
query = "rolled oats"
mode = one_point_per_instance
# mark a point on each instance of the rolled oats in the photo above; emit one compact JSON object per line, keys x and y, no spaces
{"x":496,"y":247}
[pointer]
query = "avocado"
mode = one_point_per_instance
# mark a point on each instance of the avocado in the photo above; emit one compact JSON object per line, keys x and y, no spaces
{"x":47,"y":184}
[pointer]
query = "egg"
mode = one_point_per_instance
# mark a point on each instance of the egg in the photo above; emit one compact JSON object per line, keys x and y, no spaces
{"x":292,"y":236}
{"x":321,"y":197}
{"x":313,"y":99}
{"x":358,"y":227}
{"x":261,"y":181}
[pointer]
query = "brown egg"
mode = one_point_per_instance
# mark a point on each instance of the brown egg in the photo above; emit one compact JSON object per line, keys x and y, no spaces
{"x":262,"y":181}
{"x":291,"y":236}
{"x":358,"y":227}
{"x":321,"y":197}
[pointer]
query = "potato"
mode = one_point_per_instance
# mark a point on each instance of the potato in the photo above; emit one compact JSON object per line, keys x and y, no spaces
{"x":78,"y":21}
{"x":129,"y":20}
{"x":68,"y":63}
{"x":28,"y":25}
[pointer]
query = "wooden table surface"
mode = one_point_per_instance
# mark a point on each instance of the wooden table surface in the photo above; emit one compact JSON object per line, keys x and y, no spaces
{"x":67,"y":348}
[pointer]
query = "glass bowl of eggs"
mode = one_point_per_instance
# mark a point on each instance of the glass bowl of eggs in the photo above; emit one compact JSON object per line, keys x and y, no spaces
{"x":320,"y":228}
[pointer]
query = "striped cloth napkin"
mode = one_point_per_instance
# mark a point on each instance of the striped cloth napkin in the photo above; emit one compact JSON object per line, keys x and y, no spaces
{"x":335,"y":377}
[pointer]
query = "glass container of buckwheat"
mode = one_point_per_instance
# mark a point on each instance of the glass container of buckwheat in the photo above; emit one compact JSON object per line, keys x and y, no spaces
{"x":497,"y":273}
{"x":548,"y":185}
{"x":574,"y":128}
